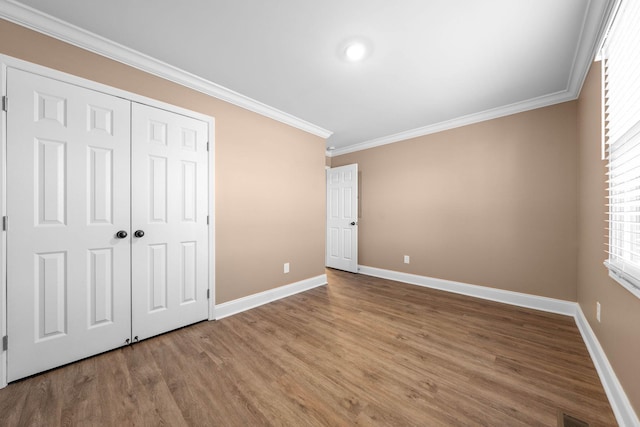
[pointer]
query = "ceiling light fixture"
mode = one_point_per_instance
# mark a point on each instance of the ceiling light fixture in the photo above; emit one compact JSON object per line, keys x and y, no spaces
{"x":356,"y":51}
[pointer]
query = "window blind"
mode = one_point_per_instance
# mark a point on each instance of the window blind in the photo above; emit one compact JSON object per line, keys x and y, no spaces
{"x":621,"y":104}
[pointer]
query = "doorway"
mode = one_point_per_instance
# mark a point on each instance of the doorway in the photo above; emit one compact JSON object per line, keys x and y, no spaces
{"x":342,"y":218}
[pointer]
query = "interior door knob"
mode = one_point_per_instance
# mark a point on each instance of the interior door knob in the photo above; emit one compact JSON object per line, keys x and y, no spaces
{"x":138,"y":233}
{"x":121,"y":234}
{"x":353,"y":223}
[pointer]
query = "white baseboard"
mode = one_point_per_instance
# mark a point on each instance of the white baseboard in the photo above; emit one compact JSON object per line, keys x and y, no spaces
{"x":622,"y":409}
{"x":551,"y":305}
{"x":246,"y":303}
{"x":624,"y":412}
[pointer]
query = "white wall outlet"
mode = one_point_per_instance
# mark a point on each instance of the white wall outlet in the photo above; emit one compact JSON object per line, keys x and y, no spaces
{"x":406,"y":259}
{"x":286,"y":267}
{"x":598,"y":310}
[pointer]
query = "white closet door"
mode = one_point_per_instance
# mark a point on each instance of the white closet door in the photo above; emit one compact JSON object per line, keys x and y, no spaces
{"x":68,"y":276}
{"x":169,"y":205}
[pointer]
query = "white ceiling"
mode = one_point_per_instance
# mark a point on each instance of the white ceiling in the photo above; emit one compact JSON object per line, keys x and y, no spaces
{"x":435,"y":64}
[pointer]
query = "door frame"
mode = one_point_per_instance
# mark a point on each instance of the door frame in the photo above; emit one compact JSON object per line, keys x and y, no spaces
{"x":10,"y":62}
{"x":357,"y":215}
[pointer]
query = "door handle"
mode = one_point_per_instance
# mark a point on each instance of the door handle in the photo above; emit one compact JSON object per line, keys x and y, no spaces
{"x":139,"y":233}
{"x":353,"y":223}
{"x":121,"y":234}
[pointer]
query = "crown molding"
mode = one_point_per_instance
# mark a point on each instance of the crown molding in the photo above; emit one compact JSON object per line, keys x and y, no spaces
{"x":595,"y":23}
{"x":33,"y":19}
{"x":531,"y":104}
{"x":594,"y":26}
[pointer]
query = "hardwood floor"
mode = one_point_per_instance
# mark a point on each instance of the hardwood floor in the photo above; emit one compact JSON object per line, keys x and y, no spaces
{"x":360,"y":351}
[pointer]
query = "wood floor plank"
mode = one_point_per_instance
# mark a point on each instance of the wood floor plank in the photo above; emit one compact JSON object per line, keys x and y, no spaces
{"x":360,"y":351}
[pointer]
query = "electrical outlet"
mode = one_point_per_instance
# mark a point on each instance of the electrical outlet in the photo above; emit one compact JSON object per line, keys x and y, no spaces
{"x":286,"y":267}
{"x":406,"y":259}
{"x":598,"y":310}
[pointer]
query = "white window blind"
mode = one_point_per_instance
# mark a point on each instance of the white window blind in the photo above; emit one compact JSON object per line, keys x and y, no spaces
{"x":621,"y":92}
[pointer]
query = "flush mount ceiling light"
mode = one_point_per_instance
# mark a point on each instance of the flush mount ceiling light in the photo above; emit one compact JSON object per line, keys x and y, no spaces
{"x":355,"y":51}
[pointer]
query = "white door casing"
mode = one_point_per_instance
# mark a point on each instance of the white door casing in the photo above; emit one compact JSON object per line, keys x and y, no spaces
{"x":342,"y":218}
{"x":170,"y":205}
{"x":68,"y":194}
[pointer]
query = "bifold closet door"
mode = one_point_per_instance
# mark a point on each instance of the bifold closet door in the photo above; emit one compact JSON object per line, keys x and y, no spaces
{"x":68,"y":196}
{"x":169,"y":221}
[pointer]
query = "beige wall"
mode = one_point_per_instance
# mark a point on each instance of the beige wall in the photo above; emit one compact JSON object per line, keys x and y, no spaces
{"x":269,"y":176}
{"x":490,"y":204}
{"x":619,"y":330}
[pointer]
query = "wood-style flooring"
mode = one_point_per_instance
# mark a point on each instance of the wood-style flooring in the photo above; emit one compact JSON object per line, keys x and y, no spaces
{"x":360,"y":351}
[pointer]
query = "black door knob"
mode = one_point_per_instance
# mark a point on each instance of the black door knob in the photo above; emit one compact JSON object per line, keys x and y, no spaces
{"x":353,"y":223}
{"x":121,"y":234}
{"x":138,"y":233}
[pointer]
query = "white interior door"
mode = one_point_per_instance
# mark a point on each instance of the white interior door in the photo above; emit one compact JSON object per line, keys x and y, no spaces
{"x":68,"y":275}
{"x":342,"y":218}
{"x":169,"y":205}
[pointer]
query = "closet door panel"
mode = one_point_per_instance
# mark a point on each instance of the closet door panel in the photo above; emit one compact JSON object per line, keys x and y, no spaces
{"x":169,"y":204}
{"x":68,"y":174}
